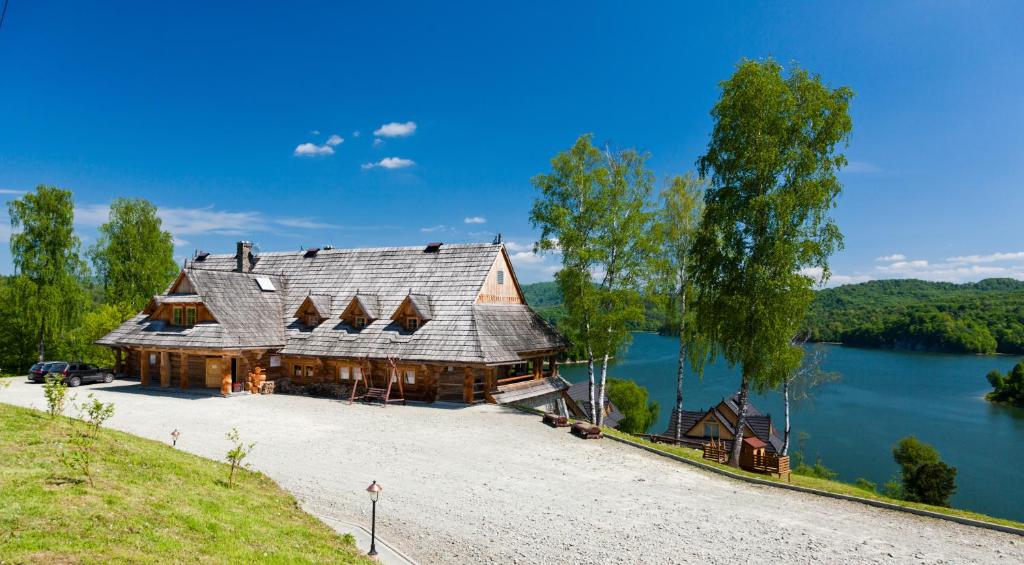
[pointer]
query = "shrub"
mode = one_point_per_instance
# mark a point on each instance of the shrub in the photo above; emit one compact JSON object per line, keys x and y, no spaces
{"x":818,"y":470}
{"x":932,"y":483}
{"x":237,"y":454}
{"x":56,"y":393}
{"x":865,"y":484}
{"x":78,"y":454}
{"x":925,"y":478}
{"x":631,"y":399}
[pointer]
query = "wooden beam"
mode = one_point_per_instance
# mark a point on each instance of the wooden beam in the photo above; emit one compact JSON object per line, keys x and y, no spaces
{"x":184,"y":370}
{"x":165,"y":369}
{"x":538,"y":368}
{"x":225,"y":380}
{"x":490,"y":377}
{"x":143,"y":368}
{"x":467,"y":386}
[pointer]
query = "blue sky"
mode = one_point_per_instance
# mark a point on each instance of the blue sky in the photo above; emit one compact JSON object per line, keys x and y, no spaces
{"x":202,"y":109}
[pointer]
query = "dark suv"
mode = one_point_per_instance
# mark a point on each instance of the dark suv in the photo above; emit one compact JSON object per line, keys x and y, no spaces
{"x":77,"y":373}
{"x":37,"y":373}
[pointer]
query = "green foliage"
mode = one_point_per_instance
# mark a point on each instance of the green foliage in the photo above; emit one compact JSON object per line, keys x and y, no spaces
{"x":593,"y":207}
{"x":818,"y":470}
{"x":865,"y":484}
{"x":1009,"y":388}
{"x":56,"y":393}
{"x":982,"y":317}
{"x":638,"y":414}
{"x":48,"y":298}
{"x":79,"y":452}
{"x":96,"y":413}
{"x":925,"y":477}
{"x":134,"y":256}
{"x":79,"y":342}
{"x":237,"y":454}
{"x":772,"y":163}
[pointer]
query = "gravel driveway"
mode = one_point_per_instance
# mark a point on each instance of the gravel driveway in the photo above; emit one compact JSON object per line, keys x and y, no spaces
{"x":488,"y":484}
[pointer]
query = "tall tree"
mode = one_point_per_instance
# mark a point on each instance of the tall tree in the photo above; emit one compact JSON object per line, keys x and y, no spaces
{"x":134,"y":255}
{"x":798,"y":386}
{"x":682,"y":203}
{"x":594,"y":209}
{"x":45,"y":251}
{"x":766,"y":234}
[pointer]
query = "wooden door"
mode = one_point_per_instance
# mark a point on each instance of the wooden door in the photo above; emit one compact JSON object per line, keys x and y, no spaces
{"x":214,"y":372}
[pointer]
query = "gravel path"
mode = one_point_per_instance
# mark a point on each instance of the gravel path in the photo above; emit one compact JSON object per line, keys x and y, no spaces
{"x":488,"y":484}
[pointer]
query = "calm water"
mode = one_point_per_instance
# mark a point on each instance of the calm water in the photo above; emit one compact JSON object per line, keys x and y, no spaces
{"x":853,"y":423}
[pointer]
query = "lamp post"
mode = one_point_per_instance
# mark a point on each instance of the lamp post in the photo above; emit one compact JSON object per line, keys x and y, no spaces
{"x":374,"y":490}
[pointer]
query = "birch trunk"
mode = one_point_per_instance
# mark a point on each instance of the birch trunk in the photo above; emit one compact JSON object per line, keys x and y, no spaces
{"x":42,"y":340}
{"x":601,"y":395}
{"x":741,"y":423}
{"x":590,"y":374}
{"x":682,"y":364}
{"x":785,"y":404}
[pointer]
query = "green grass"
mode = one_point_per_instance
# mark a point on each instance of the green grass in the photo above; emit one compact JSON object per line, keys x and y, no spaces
{"x":837,"y":487}
{"x":150,"y":504}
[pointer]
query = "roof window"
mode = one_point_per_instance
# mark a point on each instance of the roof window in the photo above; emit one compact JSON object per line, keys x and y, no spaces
{"x":312,"y":251}
{"x":265,"y":284}
{"x":433,"y":247}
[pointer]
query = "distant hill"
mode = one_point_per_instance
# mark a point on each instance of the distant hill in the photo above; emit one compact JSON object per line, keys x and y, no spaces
{"x":982,"y":317}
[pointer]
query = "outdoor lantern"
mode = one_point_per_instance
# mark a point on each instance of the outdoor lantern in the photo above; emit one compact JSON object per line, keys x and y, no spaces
{"x":374,"y":490}
{"x":174,"y":437}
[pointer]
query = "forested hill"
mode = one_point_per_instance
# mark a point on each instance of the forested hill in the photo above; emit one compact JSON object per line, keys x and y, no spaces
{"x":981,"y":317}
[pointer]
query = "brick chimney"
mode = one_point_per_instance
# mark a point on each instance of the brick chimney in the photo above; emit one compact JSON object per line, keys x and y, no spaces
{"x":243,"y":257}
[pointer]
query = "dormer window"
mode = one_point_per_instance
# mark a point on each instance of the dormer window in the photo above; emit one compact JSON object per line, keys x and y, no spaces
{"x":411,"y":323}
{"x":183,"y":316}
{"x":177,"y":316}
{"x":312,"y":320}
{"x":360,"y":322}
{"x":190,"y":316}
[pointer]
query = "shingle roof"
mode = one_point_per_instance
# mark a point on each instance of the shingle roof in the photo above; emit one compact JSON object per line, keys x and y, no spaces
{"x":516,"y":392}
{"x":579,"y":392}
{"x":760,"y":424}
{"x":443,"y":285}
{"x":246,"y":317}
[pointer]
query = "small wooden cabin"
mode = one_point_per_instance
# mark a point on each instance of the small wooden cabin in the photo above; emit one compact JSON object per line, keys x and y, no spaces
{"x":450,"y":321}
{"x":718,"y":424}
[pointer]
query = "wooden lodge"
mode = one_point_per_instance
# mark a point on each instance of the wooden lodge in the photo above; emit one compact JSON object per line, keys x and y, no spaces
{"x":442,"y":322}
{"x":718,"y":424}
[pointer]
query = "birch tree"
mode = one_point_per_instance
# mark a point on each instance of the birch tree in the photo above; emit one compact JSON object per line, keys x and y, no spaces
{"x":798,"y":387}
{"x":682,"y":203}
{"x":772,"y":165}
{"x":45,"y":252}
{"x":134,"y":255}
{"x":594,"y":210}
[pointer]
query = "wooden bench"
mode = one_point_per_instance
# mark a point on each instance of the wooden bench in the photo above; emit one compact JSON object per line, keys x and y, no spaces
{"x":375,"y":395}
{"x":555,"y":421}
{"x":586,"y":431}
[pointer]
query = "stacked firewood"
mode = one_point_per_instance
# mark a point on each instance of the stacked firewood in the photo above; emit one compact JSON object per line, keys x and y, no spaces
{"x":256,"y":379}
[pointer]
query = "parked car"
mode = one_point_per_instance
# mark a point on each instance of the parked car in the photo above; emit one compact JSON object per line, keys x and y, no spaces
{"x":37,"y":373}
{"x":77,"y":373}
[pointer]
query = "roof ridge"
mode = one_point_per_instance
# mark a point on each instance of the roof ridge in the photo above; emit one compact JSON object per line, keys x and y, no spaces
{"x":340,"y":250}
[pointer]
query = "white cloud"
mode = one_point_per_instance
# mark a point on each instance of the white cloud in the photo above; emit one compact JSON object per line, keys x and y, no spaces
{"x":861,"y":167}
{"x":990,"y":258}
{"x":11,"y":191}
{"x":395,"y":129}
{"x":835,"y":279}
{"x":433,"y":229}
{"x":313,"y":150}
{"x":377,"y":142}
{"x":92,"y":215}
{"x":516,"y":246}
{"x":390,"y":163}
{"x":475,"y":220}
{"x":527,"y":257}
{"x":356,"y":133}
{"x":891,"y":258}
{"x":315,"y":132}
{"x":335,"y":139}
{"x":305,"y":223}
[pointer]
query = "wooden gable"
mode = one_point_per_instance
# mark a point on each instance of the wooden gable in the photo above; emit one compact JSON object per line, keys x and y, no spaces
{"x":501,"y":284}
{"x":314,"y":309}
{"x":413,"y":312}
{"x":362,"y":310}
{"x":698,"y":429}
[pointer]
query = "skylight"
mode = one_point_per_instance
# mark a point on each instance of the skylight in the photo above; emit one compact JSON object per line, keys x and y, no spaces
{"x":265,"y":284}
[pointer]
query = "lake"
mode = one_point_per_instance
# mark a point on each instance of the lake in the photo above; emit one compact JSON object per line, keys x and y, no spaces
{"x":853,"y":423}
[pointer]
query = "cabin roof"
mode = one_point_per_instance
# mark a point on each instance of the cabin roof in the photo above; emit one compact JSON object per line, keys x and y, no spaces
{"x":760,"y":424}
{"x":321,"y":304}
{"x":579,"y":394}
{"x":443,"y":286}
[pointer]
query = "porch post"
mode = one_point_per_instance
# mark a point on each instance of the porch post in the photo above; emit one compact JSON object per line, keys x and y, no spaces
{"x":143,"y":368}
{"x":538,"y":367}
{"x":165,"y":369}
{"x":467,"y":386}
{"x":184,"y":370}
{"x":118,"y":369}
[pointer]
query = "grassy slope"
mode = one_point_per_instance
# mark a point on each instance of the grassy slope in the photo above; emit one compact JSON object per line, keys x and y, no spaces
{"x":151,"y":504}
{"x":814,"y":483}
